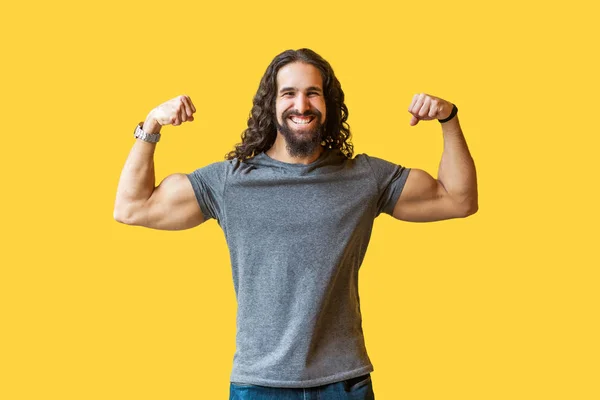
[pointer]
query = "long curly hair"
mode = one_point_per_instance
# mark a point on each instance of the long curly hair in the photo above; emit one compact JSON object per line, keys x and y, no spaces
{"x":261,"y":132}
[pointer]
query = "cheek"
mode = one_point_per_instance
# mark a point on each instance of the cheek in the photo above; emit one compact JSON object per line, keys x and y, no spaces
{"x":323,"y":110}
{"x":280,"y":107}
{"x":278,"y":112}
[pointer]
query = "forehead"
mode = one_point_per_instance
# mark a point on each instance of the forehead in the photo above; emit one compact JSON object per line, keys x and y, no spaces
{"x":299,"y":75}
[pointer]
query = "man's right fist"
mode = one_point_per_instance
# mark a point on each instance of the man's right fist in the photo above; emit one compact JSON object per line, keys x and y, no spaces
{"x":173,"y":112}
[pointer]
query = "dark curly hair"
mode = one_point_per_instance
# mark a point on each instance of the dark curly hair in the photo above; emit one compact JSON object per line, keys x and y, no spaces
{"x":261,"y":132}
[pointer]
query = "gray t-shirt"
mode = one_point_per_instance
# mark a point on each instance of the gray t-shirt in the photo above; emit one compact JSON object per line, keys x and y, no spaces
{"x":297,"y":235}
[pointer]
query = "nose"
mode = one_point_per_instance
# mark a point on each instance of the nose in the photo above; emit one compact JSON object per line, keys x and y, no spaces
{"x":301,"y":103}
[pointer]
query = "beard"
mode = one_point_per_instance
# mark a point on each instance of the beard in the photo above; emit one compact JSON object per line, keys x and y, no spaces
{"x":301,"y":143}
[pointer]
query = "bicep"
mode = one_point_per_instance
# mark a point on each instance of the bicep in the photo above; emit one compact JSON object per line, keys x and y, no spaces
{"x":172,"y":206}
{"x":424,"y":199}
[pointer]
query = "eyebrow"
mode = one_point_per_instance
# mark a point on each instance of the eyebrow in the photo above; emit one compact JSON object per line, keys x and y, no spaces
{"x":313,"y":88}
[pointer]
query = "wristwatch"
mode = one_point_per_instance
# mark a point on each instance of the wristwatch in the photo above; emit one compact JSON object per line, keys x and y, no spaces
{"x":146,"y":137}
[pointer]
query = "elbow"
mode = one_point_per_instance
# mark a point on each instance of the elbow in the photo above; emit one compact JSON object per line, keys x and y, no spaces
{"x":466,"y":207}
{"x":120,"y":217}
{"x":123,"y":215}
{"x":469,"y":208}
{"x":473,"y":208}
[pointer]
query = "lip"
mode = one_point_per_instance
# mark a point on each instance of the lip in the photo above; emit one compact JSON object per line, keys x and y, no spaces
{"x":312,"y":118}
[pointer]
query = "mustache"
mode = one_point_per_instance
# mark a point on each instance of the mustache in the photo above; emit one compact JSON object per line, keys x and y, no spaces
{"x":307,"y":113}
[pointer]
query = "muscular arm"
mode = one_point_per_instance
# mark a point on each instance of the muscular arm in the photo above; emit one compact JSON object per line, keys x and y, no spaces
{"x":172,"y":205}
{"x":453,"y":194}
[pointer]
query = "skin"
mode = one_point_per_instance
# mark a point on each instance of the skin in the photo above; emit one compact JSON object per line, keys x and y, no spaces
{"x":299,"y":89}
{"x":454,"y":193}
{"x":172,"y":204}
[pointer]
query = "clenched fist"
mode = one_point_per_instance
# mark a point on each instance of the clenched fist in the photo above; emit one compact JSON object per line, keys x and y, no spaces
{"x":173,"y":112}
{"x":426,"y":107}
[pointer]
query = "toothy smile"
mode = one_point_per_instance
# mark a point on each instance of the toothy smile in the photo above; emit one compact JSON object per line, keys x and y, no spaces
{"x":301,"y":120}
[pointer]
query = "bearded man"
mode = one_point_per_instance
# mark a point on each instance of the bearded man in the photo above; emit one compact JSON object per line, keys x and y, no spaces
{"x":297,"y":209}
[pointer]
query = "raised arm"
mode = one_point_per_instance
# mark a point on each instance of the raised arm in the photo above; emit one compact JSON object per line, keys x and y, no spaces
{"x":454,"y":193}
{"x":171,"y":205}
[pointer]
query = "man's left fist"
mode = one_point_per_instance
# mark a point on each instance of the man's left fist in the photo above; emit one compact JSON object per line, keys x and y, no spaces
{"x":426,"y":107}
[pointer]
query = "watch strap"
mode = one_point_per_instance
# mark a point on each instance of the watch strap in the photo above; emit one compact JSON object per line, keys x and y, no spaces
{"x":452,"y":114}
{"x":146,"y":137}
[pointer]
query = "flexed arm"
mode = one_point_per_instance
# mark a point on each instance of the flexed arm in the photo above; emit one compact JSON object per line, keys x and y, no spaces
{"x":454,"y":193}
{"x":171,"y":205}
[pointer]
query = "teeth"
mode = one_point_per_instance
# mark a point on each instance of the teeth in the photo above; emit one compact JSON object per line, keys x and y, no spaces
{"x":302,"y":121}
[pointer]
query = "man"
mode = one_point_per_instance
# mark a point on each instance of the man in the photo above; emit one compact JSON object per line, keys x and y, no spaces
{"x":297,"y":211}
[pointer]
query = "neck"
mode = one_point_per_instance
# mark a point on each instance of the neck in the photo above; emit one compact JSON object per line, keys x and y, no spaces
{"x":279,"y":152}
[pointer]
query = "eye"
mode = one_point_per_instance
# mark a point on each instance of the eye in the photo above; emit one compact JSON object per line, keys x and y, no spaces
{"x":313,"y":93}
{"x":287,"y":94}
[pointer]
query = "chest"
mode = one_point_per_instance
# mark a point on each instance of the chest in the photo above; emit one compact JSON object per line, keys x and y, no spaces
{"x":284,"y":206}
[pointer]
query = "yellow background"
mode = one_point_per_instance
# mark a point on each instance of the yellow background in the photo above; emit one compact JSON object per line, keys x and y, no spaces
{"x":501,"y":305}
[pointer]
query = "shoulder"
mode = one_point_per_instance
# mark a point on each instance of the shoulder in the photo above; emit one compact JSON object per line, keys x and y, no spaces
{"x":361,"y":160}
{"x":220,"y":167}
{"x":214,"y":174}
{"x":378,"y":165}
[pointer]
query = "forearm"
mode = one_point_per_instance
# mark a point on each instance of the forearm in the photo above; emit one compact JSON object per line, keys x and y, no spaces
{"x":457,"y":168}
{"x":137,"y":181}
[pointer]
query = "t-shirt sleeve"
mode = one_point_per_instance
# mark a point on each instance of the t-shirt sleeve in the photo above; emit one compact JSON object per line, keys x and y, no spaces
{"x":390,"y":179}
{"x":209,"y":185}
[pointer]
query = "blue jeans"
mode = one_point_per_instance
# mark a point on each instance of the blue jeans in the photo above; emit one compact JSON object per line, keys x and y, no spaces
{"x":360,"y":388}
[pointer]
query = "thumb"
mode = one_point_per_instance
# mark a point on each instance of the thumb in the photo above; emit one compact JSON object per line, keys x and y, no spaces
{"x":414,"y":120}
